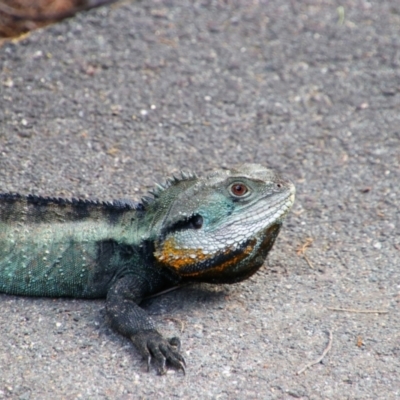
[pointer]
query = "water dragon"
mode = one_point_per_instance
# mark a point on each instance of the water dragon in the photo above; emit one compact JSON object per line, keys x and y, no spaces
{"x":216,"y":229}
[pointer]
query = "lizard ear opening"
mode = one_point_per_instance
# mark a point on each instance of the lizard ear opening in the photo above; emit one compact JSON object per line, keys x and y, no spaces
{"x":197,"y":221}
{"x":193,"y":222}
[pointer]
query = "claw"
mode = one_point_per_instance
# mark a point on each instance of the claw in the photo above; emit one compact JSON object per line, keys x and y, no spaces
{"x":183,"y":365}
{"x":163,"y":368}
{"x":148,"y":363}
{"x":183,"y":362}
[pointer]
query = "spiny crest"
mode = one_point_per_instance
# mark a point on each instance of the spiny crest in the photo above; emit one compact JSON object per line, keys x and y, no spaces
{"x":120,"y":204}
{"x":171,"y":181}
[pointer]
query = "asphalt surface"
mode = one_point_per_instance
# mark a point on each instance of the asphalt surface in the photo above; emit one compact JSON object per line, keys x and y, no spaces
{"x":106,"y":103}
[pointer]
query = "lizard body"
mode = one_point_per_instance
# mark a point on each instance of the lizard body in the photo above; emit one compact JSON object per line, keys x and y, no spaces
{"x":215,"y":229}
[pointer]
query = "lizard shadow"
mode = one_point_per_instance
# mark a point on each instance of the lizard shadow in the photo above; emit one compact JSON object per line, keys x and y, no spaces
{"x":176,"y":305}
{"x":185,"y":299}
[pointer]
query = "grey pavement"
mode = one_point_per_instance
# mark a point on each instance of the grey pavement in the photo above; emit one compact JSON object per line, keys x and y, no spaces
{"x":105,"y":104}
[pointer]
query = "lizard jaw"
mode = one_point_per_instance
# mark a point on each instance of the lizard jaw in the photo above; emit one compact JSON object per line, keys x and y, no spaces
{"x":233,"y":264}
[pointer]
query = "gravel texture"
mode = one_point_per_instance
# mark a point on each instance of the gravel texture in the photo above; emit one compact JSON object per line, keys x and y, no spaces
{"x":104,"y":104}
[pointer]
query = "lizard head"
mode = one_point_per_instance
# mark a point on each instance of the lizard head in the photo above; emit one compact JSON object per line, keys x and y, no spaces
{"x":220,"y":228}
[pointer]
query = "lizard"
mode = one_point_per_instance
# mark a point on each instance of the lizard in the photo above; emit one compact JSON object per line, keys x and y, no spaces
{"x":216,"y":229}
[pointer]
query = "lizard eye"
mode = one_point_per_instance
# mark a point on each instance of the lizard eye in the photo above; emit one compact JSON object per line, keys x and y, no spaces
{"x":239,"y":189}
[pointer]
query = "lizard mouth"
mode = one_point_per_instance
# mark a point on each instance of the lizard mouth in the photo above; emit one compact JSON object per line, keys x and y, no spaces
{"x":230,"y":265}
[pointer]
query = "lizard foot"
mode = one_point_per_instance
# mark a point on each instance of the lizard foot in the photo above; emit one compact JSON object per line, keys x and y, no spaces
{"x":153,"y":346}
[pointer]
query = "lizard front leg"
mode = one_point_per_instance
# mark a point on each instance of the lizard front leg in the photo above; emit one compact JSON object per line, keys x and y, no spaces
{"x":130,"y":320}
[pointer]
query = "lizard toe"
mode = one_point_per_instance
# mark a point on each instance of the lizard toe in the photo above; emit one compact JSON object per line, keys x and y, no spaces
{"x":175,"y":341}
{"x":173,"y":356}
{"x":155,"y":348}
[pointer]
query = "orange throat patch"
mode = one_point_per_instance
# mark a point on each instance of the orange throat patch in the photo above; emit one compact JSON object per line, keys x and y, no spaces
{"x":194,"y":262}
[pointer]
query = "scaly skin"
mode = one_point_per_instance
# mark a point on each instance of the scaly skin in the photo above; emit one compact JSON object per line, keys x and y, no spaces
{"x":216,"y":229}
